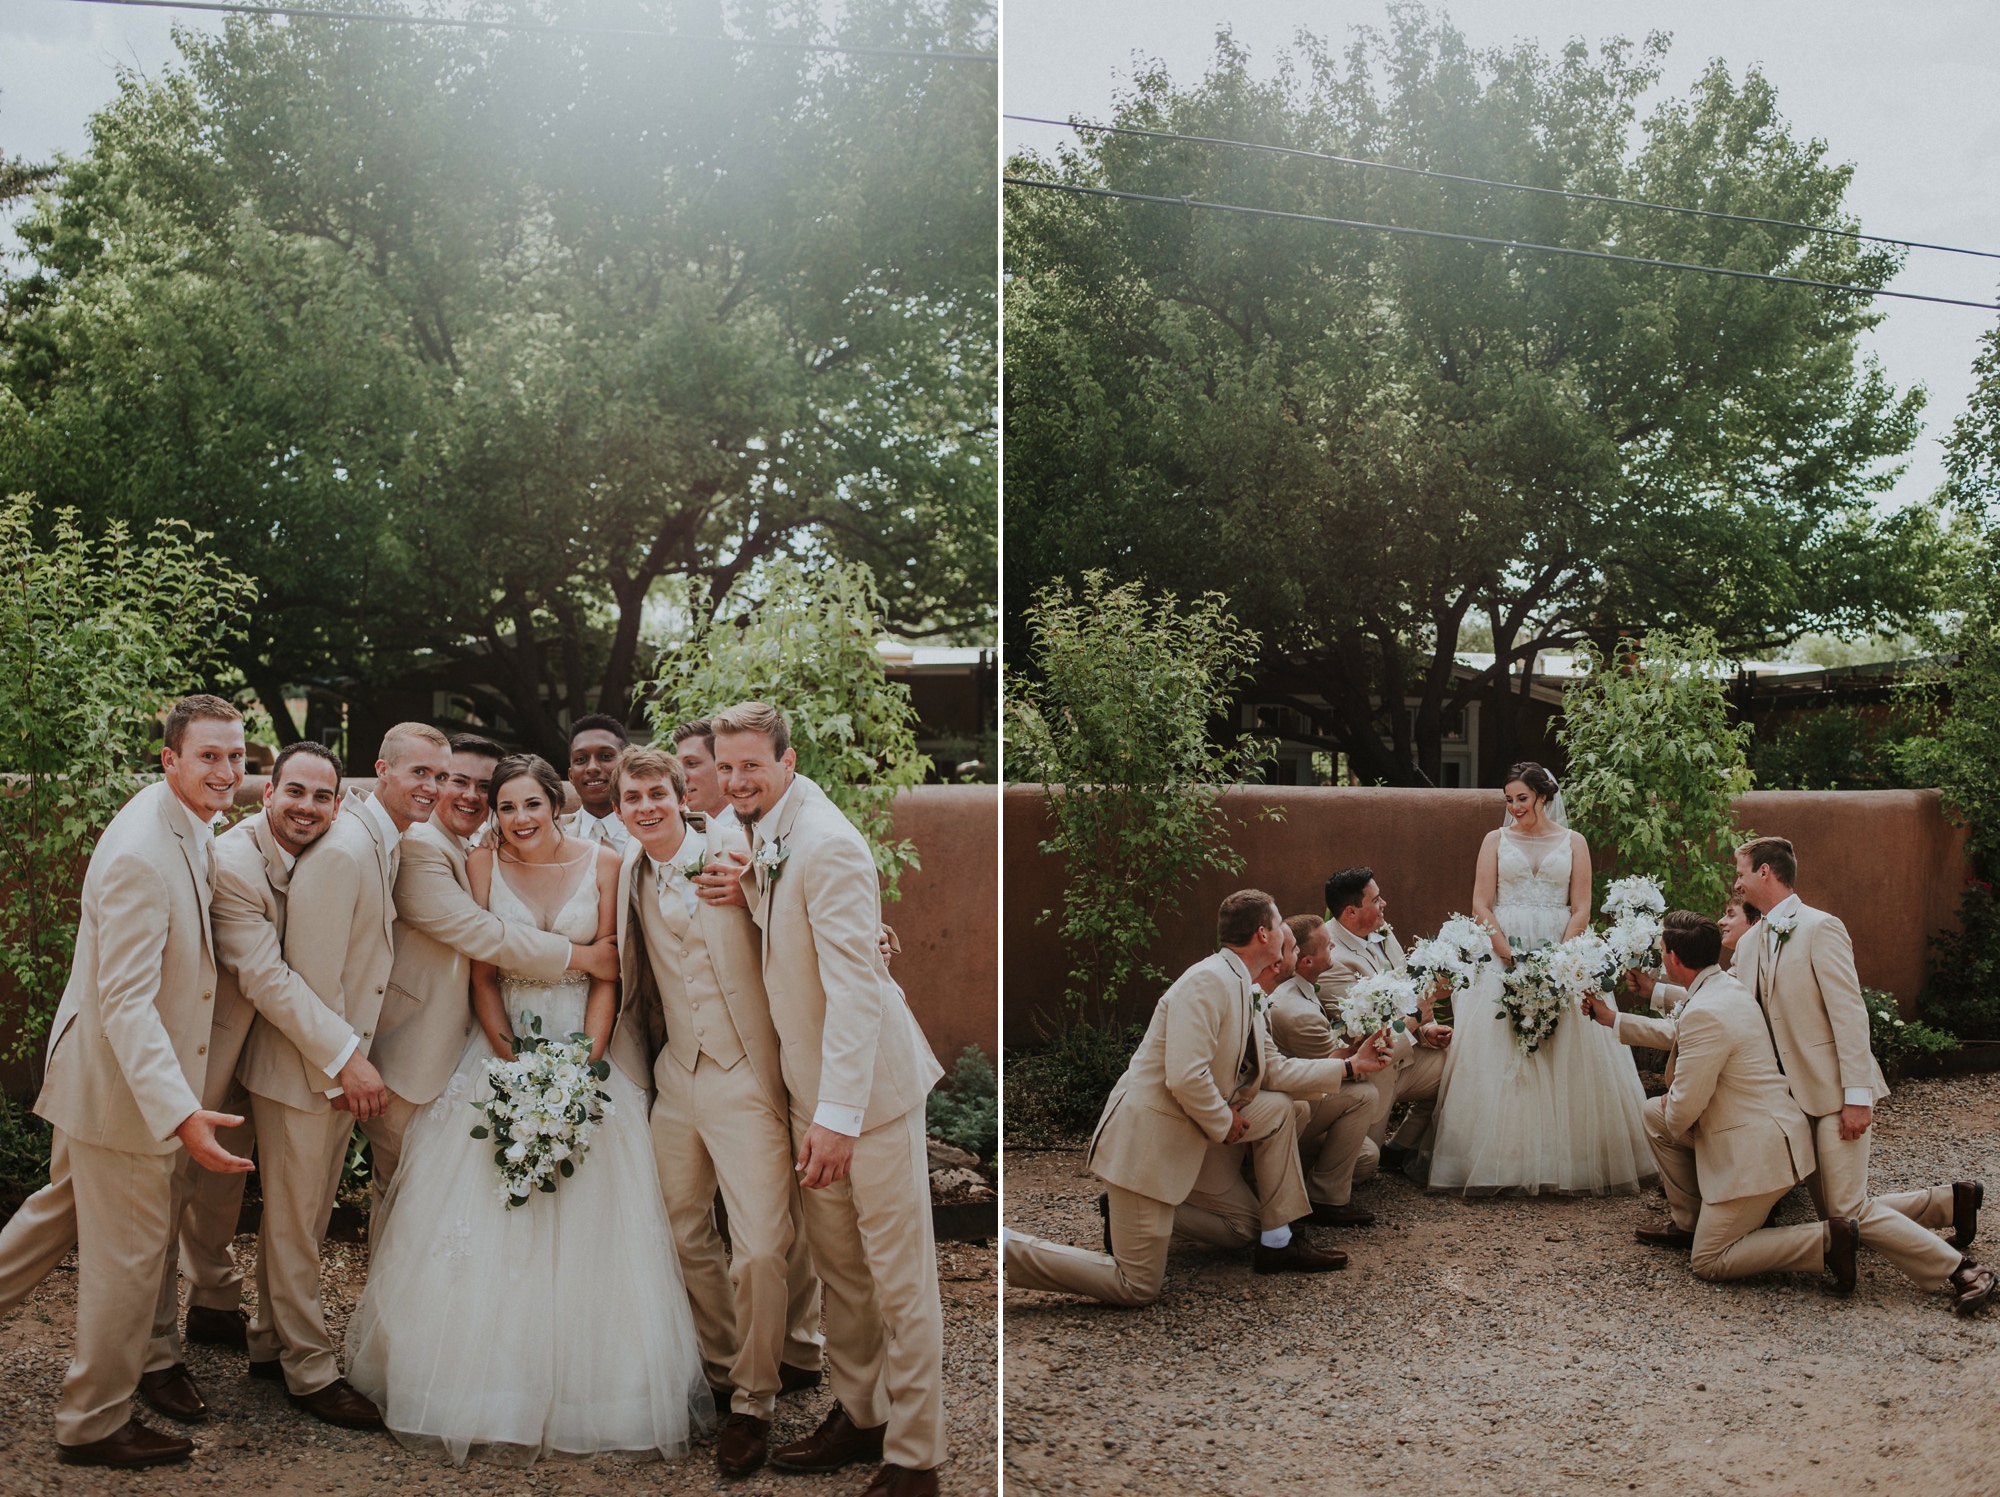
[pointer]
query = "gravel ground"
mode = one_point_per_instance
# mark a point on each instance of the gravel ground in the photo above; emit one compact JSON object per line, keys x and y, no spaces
{"x":1512,"y":1346}
{"x":254,"y":1441}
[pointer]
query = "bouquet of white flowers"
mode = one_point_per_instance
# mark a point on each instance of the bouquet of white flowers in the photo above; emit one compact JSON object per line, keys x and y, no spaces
{"x":1585,"y":963}
{"x":1375,"y":1002}
{"x":546,"y":1104}
{"x":1461,"y":946}
{"x":1634,"y":906}
{"x":1531,"y":1000}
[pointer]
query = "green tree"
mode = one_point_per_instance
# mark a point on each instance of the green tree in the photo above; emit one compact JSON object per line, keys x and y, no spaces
{"x":1654,"y":764}
{"x":97,"y":634}
{"x":463,"y":344}
{"x":1371,"y":443}
{"x":1116,"y":723}
{"x":805,"y":642}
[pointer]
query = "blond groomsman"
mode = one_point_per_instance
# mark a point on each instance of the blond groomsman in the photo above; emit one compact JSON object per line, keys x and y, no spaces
{"x":1205,"y":1087}
{"x":253,"y":870}
{"x":1798,"y":962}
{"x":339,"y":937}
{"x":1334,"y":1141}
{"x":696,"y":1024}
{"x":127,"y":1067}
{"x":857,"y":1069}
{"x":441,"y":930}
{"x":1364,"y":946}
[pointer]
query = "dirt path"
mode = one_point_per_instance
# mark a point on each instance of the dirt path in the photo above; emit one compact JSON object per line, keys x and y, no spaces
{"x":1513,"y":1347}
{"x":254,"y":1441}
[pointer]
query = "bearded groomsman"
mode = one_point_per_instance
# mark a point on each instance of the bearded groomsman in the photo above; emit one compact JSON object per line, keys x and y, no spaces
{"x":1799,"y":963}
{"x":595,"y":742}
{"x":127,"y":1067}
{"x":253,"y":868}
{"x":1334,"y":1140}
{"x":1364,"y":946}
{"x":340,"y":938}
{"x":440,"y":931}
{"x":1205,"y":1085}
{"x":857,"y":1069}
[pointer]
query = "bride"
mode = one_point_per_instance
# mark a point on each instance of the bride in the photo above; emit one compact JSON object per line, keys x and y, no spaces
{"x":1567,"y":1119}
{"x":560,"y":1326}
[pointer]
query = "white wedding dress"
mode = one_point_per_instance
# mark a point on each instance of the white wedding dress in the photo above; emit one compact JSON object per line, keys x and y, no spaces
{"x":1566,"y":1120}
{"x":560,"y":1326}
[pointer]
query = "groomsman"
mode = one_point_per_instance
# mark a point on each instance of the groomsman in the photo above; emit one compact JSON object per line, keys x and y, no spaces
{"x":857,"y":1069}
{"x":339,"y":938}
{"x":1205,"y":1085}
{"x":595,"y":742}
{"x":253,"y":867}
{"x":1799,"y":962}
{"x":127,"y":1067}
{"x":1364,"y":946}
{"x":440,"y":931}
{"x":1334,"y":1141}
{"x":721,"y":1118}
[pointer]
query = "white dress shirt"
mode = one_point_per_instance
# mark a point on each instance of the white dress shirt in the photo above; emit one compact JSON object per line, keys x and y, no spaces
{"x":606,"y":829}
{"x":673,"y":875}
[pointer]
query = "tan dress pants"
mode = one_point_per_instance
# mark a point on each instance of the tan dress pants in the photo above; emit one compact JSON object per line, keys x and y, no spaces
{"x":873,"y":1245}
{"x":714,"y":1128}
{"x":385,"y":1152}
{"x":117,"y":1210}
{"x":1333,"y":1140}
{"x":1730,"y":1238}
{"x":301,"y":1155}
{"x":1894,"y":1226}
{"x":1221,"y":1211}
{"x":1413,"y":1079}
{"x":207,"y":1206}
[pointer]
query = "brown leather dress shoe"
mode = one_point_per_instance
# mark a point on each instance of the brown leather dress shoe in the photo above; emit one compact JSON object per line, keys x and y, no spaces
{"x":741,"y":1447}
{"x":1967,"y":1196}
{"x":1972,"y":1286}
{"x":900,"y":1481}
{"x":1669,"y":1236}
{"x":798,"y":1379}
{"x":172,"y":1391}
{"x":838,"y":1442}
{"x":207,"y":1327}
{"x":1843,"y":1237}
{"x":134,"y":1445}
{"x":1341,"y":1216}
{"x":338,"y":1403}
{"x":1297,"y":1256}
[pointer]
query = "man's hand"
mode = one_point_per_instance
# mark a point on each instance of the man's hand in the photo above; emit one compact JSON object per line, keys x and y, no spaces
{"x":1854,"y":1121}
{"x":886,"y":943}
{"x":1642,"y":983}
{"x":1238,"y":1126}
{"x":599,"y":959}
{"x":721,"y":879}
{"x":197,"y":1135}
{"x":361,"y":1089}
{"x":1599,"y":1010}
{"x":1371,"y":1057}
{"x":824,"y":1158}
{"x":1435,"y":1036}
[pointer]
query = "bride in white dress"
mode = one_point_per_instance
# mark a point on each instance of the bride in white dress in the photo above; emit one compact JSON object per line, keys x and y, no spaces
{"x":1566,"y":1120}
{"x":560,"y":1326}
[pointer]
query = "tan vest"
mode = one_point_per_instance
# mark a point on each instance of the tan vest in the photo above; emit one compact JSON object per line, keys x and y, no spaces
{"x":697,"y":1013}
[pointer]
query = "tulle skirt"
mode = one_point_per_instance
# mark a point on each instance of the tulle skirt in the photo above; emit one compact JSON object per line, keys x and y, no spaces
{"x":1566,"y":1120}
{"x":557,"y":1327}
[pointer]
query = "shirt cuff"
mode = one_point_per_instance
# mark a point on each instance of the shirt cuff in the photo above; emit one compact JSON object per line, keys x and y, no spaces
{"x":347,"y":1054}
{"x":1859,"y":1096}
{"x":838,"y":1119}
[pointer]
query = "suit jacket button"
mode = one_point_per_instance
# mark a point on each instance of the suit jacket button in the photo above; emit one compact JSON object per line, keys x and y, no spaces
{"x":201,"y":1049}
{"x":368,"y":1034}
{"x":381,"y":989}
{"x":206,"y":996}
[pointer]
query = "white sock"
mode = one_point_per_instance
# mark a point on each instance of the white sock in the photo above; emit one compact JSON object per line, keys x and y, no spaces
{"x":1003,"y":1247}
{"x":1277,"y":1237}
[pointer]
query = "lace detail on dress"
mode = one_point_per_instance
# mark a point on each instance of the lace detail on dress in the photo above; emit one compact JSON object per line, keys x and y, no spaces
{"x":558,"y":1004}
{"x":1522,"y":883}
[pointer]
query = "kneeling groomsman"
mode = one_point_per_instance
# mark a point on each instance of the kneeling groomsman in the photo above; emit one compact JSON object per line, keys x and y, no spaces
{"x":1334,"y":1138}
{"x":694,"y":1006}
{"x":1205,"y":1084}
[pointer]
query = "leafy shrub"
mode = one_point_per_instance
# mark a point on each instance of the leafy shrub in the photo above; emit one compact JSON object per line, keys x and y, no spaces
{"x":1895,"y":1040}
{"x":1654,"y":763}
{"x":964,"y":1111}
{"x":1055,"y":1093}
{"x":805,"y":642}
{"x":24,"y":1154}
{"x":1963,"y":994}
{"x":1836,"y":748}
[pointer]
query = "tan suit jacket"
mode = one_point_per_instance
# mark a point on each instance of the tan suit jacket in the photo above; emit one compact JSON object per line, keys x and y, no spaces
{"x":1812,"y":997}
{"x":128,"y":1048}
{"x":342,"y":943}
{"x":440,"y":931}
{"x":1206,"y":1048}
{"x":1298,"y":1022}
{"x":1730,"y":1100}
{"x":252,"y":886}
{"x":846,"y":1032}
{"x":1355,"y":959}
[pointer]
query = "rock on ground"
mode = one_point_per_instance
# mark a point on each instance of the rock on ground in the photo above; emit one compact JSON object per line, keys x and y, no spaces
{"x":1516,"y":1347}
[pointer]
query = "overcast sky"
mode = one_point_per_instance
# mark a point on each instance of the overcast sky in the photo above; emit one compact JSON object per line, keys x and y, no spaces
{"x":1909,"y":93}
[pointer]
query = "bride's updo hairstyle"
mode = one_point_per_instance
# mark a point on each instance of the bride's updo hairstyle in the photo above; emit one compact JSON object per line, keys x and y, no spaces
{"x":524,"y":766}
{"x":1536,"y":778}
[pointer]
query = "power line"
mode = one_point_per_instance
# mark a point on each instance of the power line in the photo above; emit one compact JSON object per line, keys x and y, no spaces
{"x":1560,"y":192}
{"x":1517,"y":244}
{"x":472,"y":25}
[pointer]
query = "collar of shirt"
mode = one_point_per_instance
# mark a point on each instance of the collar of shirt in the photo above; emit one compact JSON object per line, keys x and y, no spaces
{"x":391,"y":833}
{"x":203,"y":829}
{"x":286,"y":857}
{"x":770,"y":817}
{"x":674,"y":875}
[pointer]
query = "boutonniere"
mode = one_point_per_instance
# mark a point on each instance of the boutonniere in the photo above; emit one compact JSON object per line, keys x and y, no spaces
{"x":691,"y":870}
{"x":770,"y":858}
{"x":1782,"y":927}
{"x":1379,"y":935}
